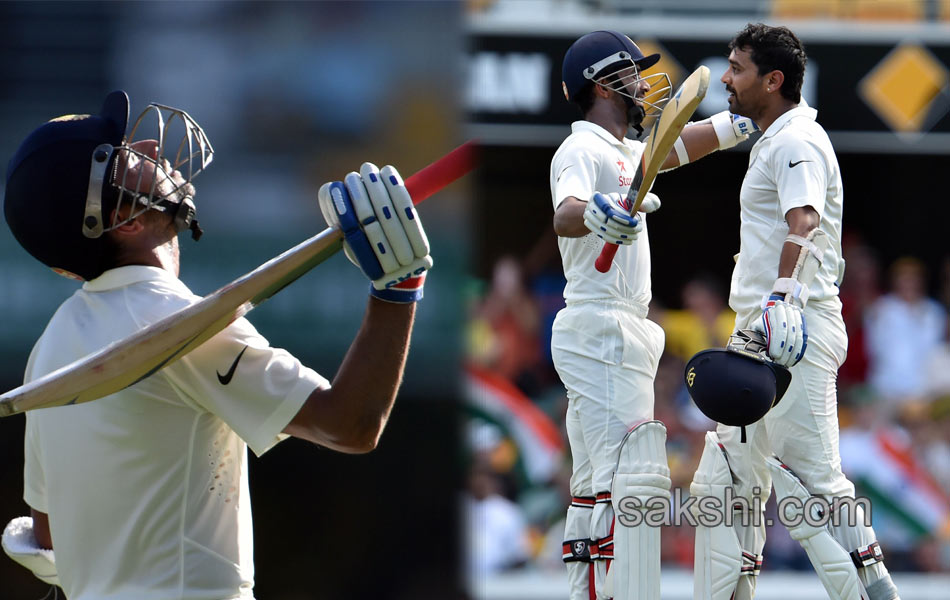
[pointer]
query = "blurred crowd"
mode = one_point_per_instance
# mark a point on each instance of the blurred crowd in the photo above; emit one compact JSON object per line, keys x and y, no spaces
{"x":893,"y":407}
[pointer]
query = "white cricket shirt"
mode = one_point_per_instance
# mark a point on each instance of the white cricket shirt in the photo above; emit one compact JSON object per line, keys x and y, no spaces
{"x":592,"y":160}
{"x":146,"y":489}
{"x":793,"y":164}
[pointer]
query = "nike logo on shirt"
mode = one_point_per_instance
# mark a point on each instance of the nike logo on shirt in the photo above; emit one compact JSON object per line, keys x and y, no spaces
{"x":226,"y":378}
{"x":792,"y":165}
{"x":558,"y":178}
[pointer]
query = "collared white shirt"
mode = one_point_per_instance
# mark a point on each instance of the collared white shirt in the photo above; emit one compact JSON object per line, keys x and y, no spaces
{"x":592,"y":160}
{"x":792,"y":165}
{"x":146,"y":489}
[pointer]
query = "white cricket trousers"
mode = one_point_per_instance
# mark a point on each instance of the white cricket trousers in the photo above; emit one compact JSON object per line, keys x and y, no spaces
{"x":606,"y":354}
{"x":802,"y":429}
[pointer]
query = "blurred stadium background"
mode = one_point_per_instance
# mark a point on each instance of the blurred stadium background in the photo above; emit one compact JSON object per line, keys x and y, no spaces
{"x":291,"y":94}
{"x":878,"y":73}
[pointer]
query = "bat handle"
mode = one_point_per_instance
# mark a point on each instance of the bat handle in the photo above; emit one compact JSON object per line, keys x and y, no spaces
{"x":442,"y":172}
{"x":606,"y":257}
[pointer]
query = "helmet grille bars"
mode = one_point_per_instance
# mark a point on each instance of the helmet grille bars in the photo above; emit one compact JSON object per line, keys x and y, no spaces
{"x":149,"y":176}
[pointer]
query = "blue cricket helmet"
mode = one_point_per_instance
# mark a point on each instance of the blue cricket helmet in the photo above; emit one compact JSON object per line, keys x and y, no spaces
{"x":596,"y":55}
{"x":733,"y":387}
{"x":47,"y":182}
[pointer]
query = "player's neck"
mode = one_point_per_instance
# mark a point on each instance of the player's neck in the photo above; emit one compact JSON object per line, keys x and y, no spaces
{"x":606,"y":117}
{"x":773,"y":112}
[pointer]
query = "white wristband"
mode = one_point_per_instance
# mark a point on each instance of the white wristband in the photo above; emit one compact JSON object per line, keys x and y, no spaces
{"x":796,"y":290}
{"x":725,"y":133}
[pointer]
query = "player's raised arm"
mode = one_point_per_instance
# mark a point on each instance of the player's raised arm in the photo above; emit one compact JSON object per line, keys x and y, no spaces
{"x":385,"y":239}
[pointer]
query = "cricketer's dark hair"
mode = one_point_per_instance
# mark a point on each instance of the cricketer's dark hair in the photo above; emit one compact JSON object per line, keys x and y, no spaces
{"x":775,"y":49}
{"x":585,"y":99}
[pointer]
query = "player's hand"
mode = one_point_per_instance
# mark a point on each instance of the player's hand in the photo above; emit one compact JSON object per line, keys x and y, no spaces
{"x":382,"y":232}
{"x":606,"y":216}
{"x":783,"y":326}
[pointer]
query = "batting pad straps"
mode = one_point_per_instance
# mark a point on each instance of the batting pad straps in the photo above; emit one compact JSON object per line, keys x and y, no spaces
{"x":578,"y":547}
{"x":576,"y":550}
{"x":867,"y":556}
{"x":751,"y":564}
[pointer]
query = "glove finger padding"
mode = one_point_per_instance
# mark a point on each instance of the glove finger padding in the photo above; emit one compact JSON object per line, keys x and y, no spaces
{"x":783,"y":326}
{"x":385,"y":211}
{"x":370,"y":223}
{"x":406,"y":211}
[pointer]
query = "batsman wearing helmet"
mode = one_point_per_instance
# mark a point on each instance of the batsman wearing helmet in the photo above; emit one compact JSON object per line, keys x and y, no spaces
{"x":605,"y":349}
{"x":144,"y":493}
{"x":784,"y":285}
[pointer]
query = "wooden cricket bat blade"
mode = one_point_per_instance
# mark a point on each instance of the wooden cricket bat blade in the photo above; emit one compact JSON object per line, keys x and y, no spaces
{"x":666,"y":129}
{"x":129,"y":360}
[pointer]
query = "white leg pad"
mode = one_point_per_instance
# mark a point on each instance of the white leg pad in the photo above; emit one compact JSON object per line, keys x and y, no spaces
{"x":642,"y":474}
{"x":832,"y":563}
{"x":717,"y":561}
{"x":602,"y":543}
{"x":576,"y":547}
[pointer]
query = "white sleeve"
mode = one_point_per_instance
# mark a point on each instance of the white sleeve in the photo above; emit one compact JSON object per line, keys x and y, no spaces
{"x":573,"y":173}
{"x":34,"y":480}
{"x":801,"y":174}
{"x":254,"y":388}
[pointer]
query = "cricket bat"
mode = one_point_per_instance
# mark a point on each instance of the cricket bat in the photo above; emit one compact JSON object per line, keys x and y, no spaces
{"x":130,"y":360}
{"x":666,"y":129}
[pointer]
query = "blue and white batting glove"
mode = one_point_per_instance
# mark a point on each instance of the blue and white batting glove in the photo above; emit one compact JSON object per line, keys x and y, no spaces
{"x":783,"y":326}
{"x":732,"y":129}
{"x":382,"y":233}
{"x":608,"y":216}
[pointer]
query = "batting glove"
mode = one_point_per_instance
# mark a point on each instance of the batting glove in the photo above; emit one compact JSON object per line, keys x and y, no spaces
{"x":732,"y":129}
{"x":783,"y":326}
{"x":382,"y":233}
{"x":607,"y":216}
{"x":20,"y":544}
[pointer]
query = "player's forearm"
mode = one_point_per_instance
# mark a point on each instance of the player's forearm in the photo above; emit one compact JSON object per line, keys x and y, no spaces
{"x":800,"y":221}
{"x":351,"y":415}
{"x":699,"y":139}
{"x":569,"y":218}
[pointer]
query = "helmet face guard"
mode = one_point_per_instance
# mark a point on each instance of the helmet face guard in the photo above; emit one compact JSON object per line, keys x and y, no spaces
{"x":626,"y":81}
{"x":151,"y":168}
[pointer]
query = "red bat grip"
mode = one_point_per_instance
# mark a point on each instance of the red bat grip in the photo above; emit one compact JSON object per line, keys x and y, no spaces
{"x":442,"y":172}
{"x":606,"y":257}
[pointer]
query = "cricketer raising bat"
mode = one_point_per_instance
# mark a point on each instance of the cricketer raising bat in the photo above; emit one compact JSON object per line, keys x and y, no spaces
{"x":130,"y":360}
{"x":666,"y":129}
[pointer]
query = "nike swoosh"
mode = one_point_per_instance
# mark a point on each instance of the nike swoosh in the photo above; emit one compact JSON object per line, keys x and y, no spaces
{"x":795,"y":164}
{"x":558,"y":178}
{"x":226,"y":378}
